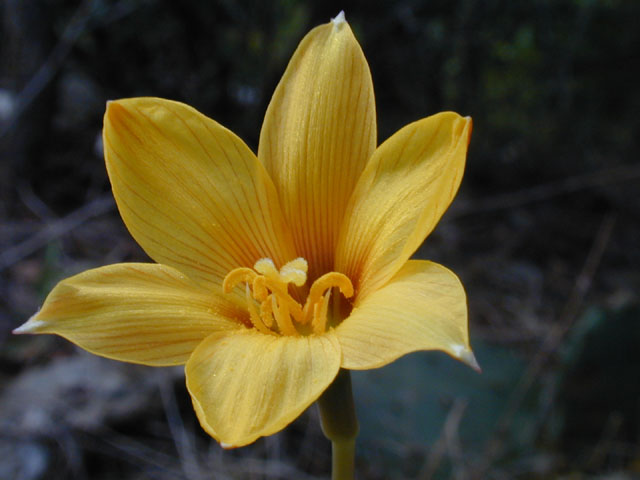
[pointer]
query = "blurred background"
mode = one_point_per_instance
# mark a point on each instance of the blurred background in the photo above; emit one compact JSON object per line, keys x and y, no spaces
{"x":545,"y":233}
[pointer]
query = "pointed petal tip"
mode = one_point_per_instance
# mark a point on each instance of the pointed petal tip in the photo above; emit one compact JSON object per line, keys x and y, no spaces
{"x":469,"y":358}
{"x":465,"y":355}
{"x":30,"y":326}
{"x":338,"y":20}
{"x":113,"y":106}
{"x":469,"y":125}
{"x":116,"y":110}
{"x":113,"y":110}
{"x":464,"y":123}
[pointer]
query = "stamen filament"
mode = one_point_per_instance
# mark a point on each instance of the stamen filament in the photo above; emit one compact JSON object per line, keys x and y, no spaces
{"x":283,"y":319}
{"x":264,"y":285}
{"x":266,"y":313}
{"x":320,"y":309}
{"x":253,"y":313}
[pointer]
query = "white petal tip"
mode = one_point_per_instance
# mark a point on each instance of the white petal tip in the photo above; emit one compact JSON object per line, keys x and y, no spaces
{"x":339,"y":19}
{"x":470,"y":359}
{"x":226,"y":446}
{"x":30,"y":326}
{"x":466,"y":355}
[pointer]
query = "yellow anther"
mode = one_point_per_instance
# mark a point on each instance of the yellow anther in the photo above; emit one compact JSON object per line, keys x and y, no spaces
{"x":235,"y":276}
{"x":329,"y":280}
{"x":260,"y":291}
{"x":321,"y":285}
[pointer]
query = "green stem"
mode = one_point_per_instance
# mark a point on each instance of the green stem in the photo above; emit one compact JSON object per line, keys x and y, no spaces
{"x":340,"y":425}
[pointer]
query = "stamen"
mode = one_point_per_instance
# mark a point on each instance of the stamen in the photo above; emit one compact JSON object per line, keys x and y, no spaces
{"x":260,"y":291}
{"x":266,"y":313}
{"x":253,"y":313}
{"x":261,"y":288}
{"x":235,"y":276}
{"x":321,"y":285}
{"x":283,"y":319}
{"x":278,"y":310}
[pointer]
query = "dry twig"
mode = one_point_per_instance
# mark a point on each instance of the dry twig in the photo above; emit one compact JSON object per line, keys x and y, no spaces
{"x":447,"y":444}
{"x":546,"y":191}
{"x":55,"y":229}
{"x":583,"y":281}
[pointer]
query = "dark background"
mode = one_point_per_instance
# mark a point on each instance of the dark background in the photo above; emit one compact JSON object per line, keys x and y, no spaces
{"x":545,"y":233}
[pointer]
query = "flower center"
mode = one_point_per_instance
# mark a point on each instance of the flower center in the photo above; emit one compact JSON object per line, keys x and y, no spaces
{"x":272,"y":309}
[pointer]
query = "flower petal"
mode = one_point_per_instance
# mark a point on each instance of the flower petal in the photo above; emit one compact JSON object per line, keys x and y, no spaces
{"x":247,"y":385}
{"x":134,"y":312}
{"x":318,"y":133}
{"x":423,"y":307}
{"x":191,"y":193}
{"x":406,"y":187}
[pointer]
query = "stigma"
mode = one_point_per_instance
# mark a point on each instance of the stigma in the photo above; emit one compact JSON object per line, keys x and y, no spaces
{"x":272,"y":309}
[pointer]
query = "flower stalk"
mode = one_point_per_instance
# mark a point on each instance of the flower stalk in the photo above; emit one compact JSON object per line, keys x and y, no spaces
{"x":340,"y":425}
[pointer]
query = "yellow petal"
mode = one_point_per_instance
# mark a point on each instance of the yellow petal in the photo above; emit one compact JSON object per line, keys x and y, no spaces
{"x":318,"y":133}
{"x":247,"y":385}
{"x":406,"y":187}
{"x":423,"y":307}
{"x":134,"y":312}
{"x":191,"y":193}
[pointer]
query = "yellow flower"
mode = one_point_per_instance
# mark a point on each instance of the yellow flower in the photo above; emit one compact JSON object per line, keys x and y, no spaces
{"x":273,"y":271}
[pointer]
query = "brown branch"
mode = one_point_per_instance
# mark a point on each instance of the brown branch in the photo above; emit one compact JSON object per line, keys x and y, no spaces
{"x":550,"y":344}
{"x":55,"y":229}
{"x":447,"y":442}
{"x":80,"y":22}
{"x":546,"y":191}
